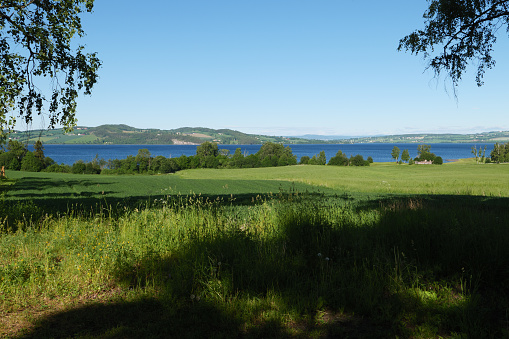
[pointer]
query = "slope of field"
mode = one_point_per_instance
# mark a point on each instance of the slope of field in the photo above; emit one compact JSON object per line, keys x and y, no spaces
{"x":73,"y":187}
{"x":465,"y":178}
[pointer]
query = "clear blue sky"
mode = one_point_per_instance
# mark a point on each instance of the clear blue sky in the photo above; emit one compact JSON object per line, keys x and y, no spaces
{"x":279,"y":67}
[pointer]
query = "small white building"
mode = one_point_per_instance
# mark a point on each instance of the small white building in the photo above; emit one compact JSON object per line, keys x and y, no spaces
{"x":425,"y":162}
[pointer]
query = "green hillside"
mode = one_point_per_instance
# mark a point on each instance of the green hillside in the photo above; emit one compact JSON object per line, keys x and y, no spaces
{"x":123,"y":134}
{"x":500,"y":136}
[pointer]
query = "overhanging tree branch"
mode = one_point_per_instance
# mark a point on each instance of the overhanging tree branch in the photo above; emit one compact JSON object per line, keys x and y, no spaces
{"x":465,"y":31}
{"x":43,"y":31}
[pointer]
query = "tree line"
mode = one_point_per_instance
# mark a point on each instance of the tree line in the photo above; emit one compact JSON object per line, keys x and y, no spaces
{"x":423,"y":154}
{"x":340,"y":159}
{"x":500,"y":153}
{"x":208,"y":155}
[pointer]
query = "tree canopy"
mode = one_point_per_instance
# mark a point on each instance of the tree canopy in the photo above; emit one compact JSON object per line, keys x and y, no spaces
{"x":36,"y":42}
{"x":457,"y":32}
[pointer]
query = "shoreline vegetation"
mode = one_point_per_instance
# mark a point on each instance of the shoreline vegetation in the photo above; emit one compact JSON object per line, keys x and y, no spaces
{"x":123,"y":134}
{"x":208,"y":155}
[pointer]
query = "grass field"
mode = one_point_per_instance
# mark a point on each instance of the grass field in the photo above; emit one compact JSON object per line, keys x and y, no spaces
{"x":461,"y":178}
{"x":300,"y":251}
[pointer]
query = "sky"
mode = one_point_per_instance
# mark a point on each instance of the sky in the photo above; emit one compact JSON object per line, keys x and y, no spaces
{"x":279,"y":67}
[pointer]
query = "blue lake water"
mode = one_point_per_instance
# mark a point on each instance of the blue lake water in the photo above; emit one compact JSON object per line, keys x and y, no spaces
{"x":68,"y":154}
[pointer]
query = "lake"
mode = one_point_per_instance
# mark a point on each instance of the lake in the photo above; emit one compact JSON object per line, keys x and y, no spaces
{"x":68,"y":154}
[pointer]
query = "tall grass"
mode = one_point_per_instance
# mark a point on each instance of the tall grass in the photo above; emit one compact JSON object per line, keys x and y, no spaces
{"x":381,"y":178}
{"x":294,"y":266}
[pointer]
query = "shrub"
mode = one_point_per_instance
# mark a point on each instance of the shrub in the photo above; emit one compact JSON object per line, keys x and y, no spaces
{"x":48,"y":162}
{"x":6,"y":159}
{"x":14,"y":164}
{"x":358,"y":160}
{"x":339,"y":159}
{"x":79,"y":167}
{"x":304,"y":160}
{"x":438,"y":161}
{"x":58,"y":168}
{"x":92,"y":168}
{"x":31,"y":163}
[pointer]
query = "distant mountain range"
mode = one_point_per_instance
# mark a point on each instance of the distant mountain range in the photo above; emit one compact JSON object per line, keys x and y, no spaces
{"x":123,"y":134}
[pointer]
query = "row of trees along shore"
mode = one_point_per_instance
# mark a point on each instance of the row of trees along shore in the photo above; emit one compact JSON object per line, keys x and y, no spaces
{"x":423,"y":155}
{"x":16,"y":156}
{"x":208,"y":155}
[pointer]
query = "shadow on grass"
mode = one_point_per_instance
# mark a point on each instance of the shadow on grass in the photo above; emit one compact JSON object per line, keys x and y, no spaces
{"x":426,"y":269}
{"x":147,"y":318}
{"x":40,"y":183}
{"x":28,"y":200}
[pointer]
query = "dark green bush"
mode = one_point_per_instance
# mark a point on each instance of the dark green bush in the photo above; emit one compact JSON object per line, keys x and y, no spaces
{"x":79,"y":167}
{"x":31,"y":163}
{"x":58,"y":168}
{"x":304,"y":160}
{"x":358,"y":160}
{"x":339,"y":159}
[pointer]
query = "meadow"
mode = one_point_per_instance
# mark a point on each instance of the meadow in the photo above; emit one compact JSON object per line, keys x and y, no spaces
{"x":299,"y":251}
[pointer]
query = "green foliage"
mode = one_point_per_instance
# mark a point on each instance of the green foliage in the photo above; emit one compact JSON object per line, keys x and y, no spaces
{"x":321,"y":160}
{"x":14,"y":164}
{"x":395,"y":153}
{"x":405,"y":155}
{"x":31,"y":163}
{"x":35,"y":43}
{"x":358,"y":160}
{"x":17,"y":149}
{"x":500,"y":153}
{"x":422,"y":150}
{"x":79,"y":167}
{"x":207,"y":149}
{"x":438,"y":161}
{"x":304,"y":160}
{"x":5,"y":159}
{"x":318,"y":160}
{"x":339,"y":159}
{"x":143,"y":160}
{"x":424,"y":154}
{"x":56,"y":168}
{"x":455,"y":33}
{"x":39,"y":150}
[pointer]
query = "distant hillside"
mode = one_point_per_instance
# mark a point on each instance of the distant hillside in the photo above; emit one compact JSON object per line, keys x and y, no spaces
{"x":123,"y":134}
{"x":323,"y":137}
{"x":487,"y":137}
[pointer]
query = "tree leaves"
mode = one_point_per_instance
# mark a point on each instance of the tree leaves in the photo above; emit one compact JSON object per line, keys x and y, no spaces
{"x":457,"y":32}
{"x":35,"y":44}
